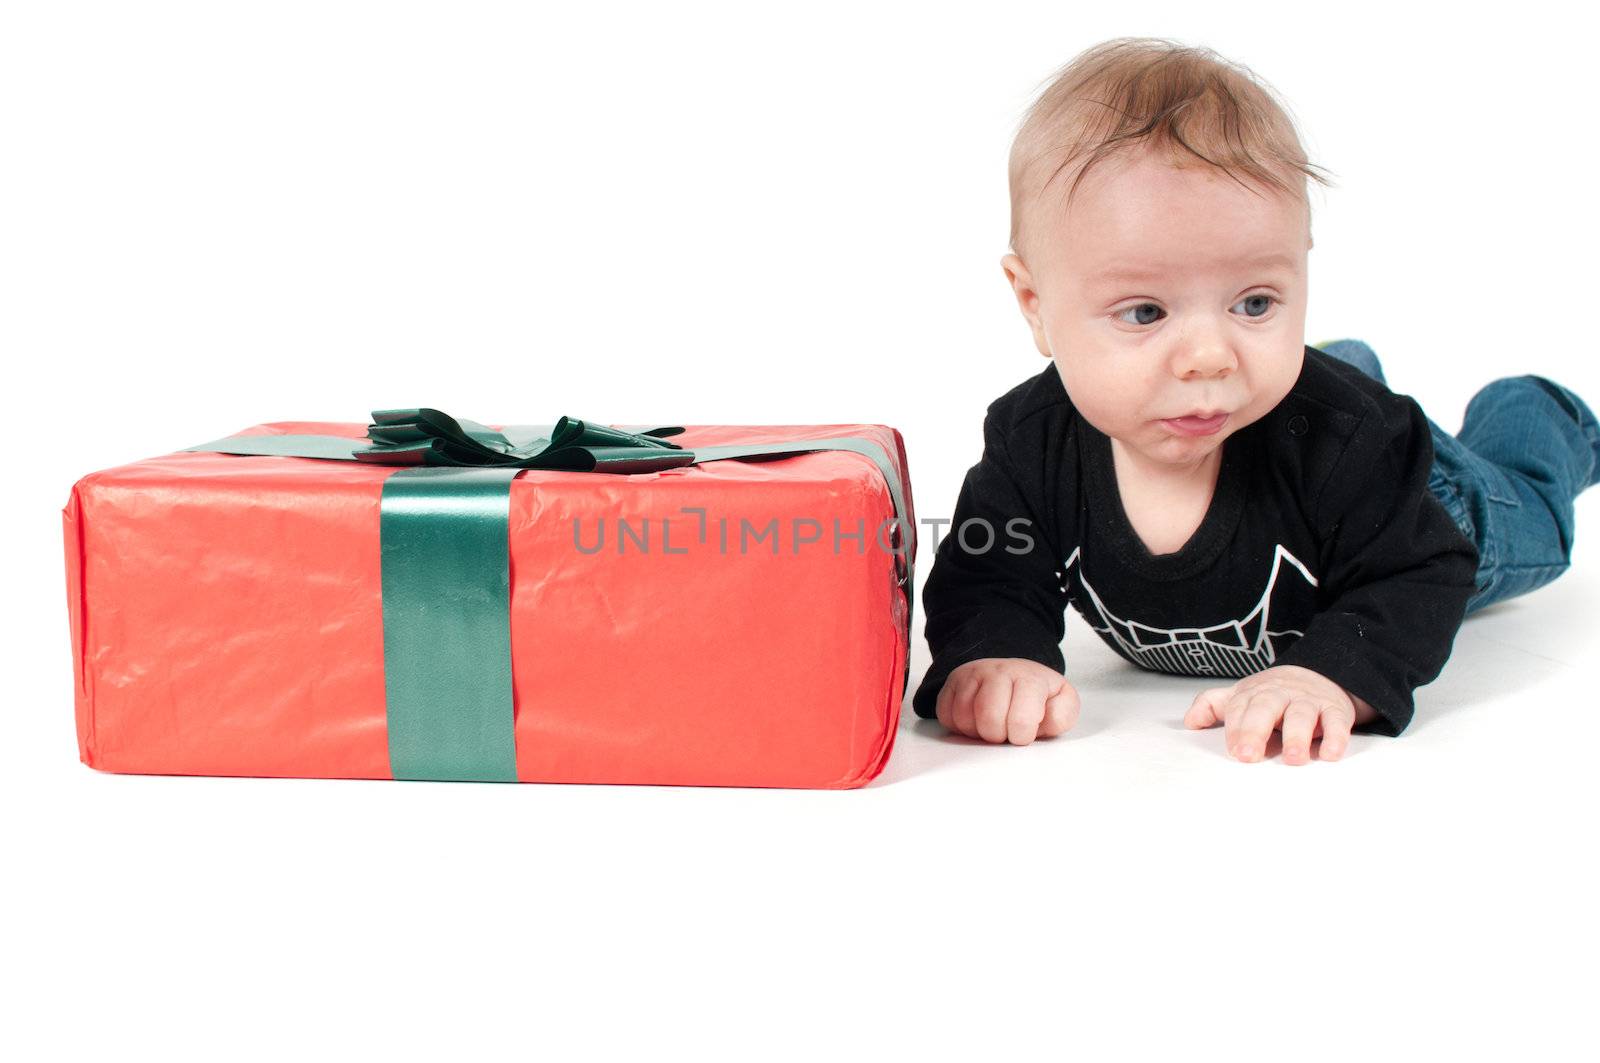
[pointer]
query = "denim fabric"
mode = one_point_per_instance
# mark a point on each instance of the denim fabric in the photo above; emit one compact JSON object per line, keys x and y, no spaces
{"x":1527,"y":448}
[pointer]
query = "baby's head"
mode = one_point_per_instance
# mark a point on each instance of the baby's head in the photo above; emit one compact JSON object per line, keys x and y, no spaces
{"x":1159,"y":232}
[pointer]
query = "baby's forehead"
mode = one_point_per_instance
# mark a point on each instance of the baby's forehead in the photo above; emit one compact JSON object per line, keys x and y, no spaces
{"x":1189,"y":215}
{"x":1154,"y":179}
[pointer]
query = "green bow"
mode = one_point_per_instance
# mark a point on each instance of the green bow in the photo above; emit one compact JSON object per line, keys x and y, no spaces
{"x":426,"y":436}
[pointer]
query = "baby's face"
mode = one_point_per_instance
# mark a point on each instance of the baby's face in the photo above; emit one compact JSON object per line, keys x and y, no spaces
{"x":1167,"y":293}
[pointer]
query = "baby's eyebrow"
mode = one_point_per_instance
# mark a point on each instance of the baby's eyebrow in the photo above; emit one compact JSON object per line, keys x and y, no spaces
{"x":1131,"y":273}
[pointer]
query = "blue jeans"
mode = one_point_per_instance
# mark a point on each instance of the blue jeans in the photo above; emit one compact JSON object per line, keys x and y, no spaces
{"x":1527,"y":448}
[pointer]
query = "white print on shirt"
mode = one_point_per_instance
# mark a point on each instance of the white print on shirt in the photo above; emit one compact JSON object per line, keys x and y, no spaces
{"x":1234,"y":648}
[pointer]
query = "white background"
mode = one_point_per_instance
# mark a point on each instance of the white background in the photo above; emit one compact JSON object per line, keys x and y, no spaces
{"x":214,"y":215}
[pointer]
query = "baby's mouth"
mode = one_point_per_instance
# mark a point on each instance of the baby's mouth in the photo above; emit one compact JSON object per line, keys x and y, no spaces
{"x":1197,"y":424}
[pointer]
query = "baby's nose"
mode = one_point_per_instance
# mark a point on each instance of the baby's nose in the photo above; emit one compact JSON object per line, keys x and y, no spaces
{"x":1205,"y":360}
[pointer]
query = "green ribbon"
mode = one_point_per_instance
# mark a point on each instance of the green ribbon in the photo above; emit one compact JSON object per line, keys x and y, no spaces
{"x":447,"y":623}
{"x":444,"y":531}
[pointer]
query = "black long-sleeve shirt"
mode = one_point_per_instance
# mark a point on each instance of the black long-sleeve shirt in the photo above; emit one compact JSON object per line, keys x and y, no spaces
{"x":1322,"y":547}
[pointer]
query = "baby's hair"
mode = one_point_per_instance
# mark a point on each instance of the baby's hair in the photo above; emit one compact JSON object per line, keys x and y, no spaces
{"x":1130,"y":91}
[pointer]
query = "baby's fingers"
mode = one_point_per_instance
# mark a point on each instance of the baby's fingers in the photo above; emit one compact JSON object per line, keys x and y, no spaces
{"x":954,"y":707}
{"x":1027,"y":710}
{"x":1206,"y":709}
{"x":1299,"y":724}
{"x":1060,"y":712}
{"x":990,"y":706}
{"x":1336,"y":725}
{"x":1250,"y":729}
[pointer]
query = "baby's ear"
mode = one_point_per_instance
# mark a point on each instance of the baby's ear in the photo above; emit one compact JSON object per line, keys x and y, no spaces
{"x":1022,"y":286}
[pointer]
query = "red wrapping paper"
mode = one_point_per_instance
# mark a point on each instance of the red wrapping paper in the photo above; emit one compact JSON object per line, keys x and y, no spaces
{"x":226,"y":618}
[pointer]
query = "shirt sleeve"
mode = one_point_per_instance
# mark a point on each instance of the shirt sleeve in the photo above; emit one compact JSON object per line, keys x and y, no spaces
{"x":992,"y":599}
{"x":1396,"y":570}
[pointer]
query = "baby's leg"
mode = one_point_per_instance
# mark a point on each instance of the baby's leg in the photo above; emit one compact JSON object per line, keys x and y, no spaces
{"x":1526,"y":449}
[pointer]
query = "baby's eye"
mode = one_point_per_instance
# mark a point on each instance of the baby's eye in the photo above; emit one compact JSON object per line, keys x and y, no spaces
{"x":1261,"y":300}
{"x":1143,"y":320}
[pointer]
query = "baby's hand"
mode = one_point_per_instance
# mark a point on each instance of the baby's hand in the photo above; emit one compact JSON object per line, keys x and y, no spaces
{"x":1300,"y":701}
{"x":1007,"y":698}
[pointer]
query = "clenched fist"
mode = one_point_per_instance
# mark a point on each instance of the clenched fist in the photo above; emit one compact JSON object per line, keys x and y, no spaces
{"x":1007,"y":699}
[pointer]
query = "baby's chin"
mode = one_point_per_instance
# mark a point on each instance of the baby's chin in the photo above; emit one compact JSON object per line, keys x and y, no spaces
{"x":1181,"y":453}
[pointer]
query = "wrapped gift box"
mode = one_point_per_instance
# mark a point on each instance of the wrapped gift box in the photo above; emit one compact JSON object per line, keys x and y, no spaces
{"x":736,"y":622}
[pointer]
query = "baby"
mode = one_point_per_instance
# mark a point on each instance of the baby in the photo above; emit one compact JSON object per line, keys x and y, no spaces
{"x":1213,"y":496}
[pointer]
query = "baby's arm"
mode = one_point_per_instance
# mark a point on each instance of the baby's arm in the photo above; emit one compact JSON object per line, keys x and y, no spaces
{"x":995,"y":610}
{"x":1396,"y":574}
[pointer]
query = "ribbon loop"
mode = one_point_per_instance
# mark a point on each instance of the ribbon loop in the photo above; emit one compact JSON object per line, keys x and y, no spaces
{"x":425,"y":436}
